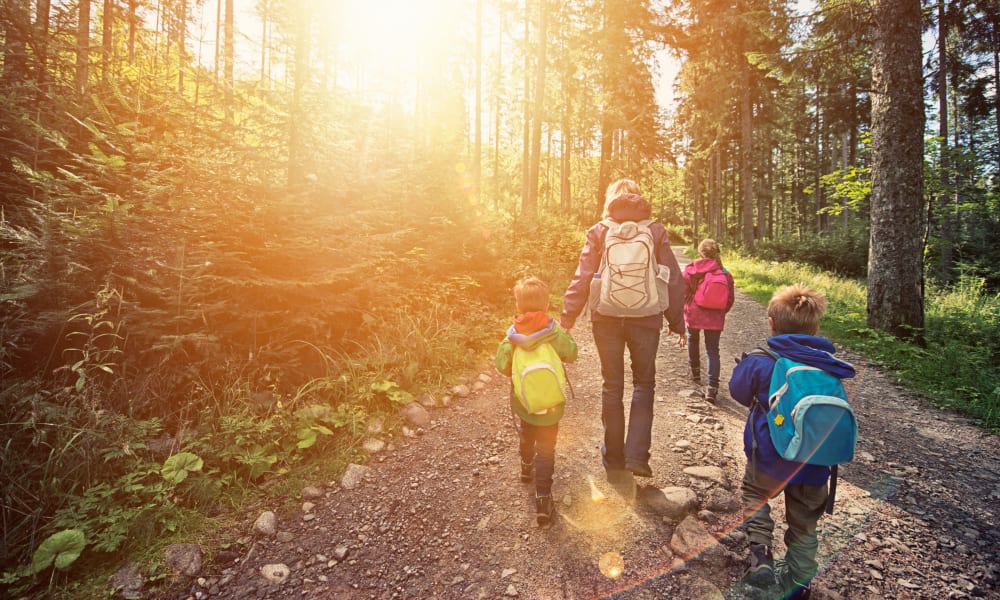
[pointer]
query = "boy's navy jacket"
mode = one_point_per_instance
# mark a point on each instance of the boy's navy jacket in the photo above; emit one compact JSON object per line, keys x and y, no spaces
{"x":751,"y":382}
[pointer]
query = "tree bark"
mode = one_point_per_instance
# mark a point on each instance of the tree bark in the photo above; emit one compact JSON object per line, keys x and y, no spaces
{"x":107,"y":38}
{"x":895,"y":268}
{"x":531,"y":206}
{"x":228,"y":58}
{"x":41,"y":33}
{"x":477,"y":145}
{"x":746,"y":155}
{"x":944,"y":164}
{"x":82,"y":47}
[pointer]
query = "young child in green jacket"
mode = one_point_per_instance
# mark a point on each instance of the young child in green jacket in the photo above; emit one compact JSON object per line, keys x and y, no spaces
{"x":537,"y":429}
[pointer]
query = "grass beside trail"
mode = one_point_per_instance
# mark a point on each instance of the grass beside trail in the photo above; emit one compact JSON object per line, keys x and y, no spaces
{"x":958,"y":368}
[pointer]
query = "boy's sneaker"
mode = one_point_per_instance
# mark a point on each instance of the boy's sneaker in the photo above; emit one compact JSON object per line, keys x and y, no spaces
{"x":792,"y":589}
{"x":543,"y":511}
{"x":527,"y":472}
{"x":760,"y":571}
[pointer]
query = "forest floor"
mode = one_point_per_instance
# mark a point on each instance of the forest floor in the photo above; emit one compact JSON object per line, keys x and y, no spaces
{"x":442,"y":514}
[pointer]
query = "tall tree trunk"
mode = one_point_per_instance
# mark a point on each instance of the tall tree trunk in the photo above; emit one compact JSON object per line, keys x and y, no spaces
{"x":944,"y":164}
{"x":604,"y":171}
{"x":477,"y":145}
{"x":526,"y":131}
{"x":42,"y":12}
{"x":995,"y":32}
{"x":16,"y":25}
{"x":746,"y":155}
{"x":107,"y":38}
{"x":296,"y":151}
{"x":182,"y":17}
{"x":531,"y":206}
{"x":895,"y":268}
{"x":496,"y":116}
{"x":695,"y":172}
{"x":228,"y":58}
{"x":82,"y":47}
{"x":565,"y":192}
{"x":714,"y":211}
{"x":133,"y":20}
{"x":264,"y":13}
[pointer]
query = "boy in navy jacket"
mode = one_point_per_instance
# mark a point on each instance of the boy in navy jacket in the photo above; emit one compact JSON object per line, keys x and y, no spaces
{"x":793,"y":315}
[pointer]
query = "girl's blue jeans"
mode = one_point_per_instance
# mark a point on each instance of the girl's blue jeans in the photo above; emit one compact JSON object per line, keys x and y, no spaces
{"x":711,"y":351}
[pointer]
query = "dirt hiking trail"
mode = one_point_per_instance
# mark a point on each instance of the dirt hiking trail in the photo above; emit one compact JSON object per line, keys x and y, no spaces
{"x":441,"y":513}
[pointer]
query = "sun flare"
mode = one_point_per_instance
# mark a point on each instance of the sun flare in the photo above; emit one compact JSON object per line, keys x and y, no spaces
{"x":392,"y":37}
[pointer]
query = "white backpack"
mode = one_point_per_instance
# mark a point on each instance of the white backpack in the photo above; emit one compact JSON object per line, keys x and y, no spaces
{"x":629,"y":282}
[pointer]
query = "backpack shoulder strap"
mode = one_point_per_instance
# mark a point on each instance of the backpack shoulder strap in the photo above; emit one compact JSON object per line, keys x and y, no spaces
{"x":758,"y":351}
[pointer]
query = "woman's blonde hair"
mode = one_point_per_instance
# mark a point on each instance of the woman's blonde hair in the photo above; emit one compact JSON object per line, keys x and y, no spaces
{"x":531,"y":294}
{"x":617,"y":188}
{"x":796,"y":309}
{"x":709,"y":248}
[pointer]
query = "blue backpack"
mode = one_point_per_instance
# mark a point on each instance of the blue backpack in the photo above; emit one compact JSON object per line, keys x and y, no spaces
{"x":810,"y":419}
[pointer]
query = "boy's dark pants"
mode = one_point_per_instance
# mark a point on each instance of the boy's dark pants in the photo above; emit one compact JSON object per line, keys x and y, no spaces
{"x":804,"y":505}
{"x":538,"y":445}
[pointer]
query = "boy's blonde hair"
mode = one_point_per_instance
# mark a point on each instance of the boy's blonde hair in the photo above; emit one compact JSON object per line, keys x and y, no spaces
{"x":709,"y":248}
{"x":617,"y":188}
{"x":796,"y":309}
{"x":531,"y":294}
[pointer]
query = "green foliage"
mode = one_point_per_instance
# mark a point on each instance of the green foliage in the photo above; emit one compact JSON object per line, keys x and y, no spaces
{"x":962,"y":325}
{"x":61,"y":549}
{"x":177,"y":467}
{"x":841,"y":252}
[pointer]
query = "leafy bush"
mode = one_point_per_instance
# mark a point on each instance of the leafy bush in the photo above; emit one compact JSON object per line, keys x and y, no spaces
{"x":843,"y":253}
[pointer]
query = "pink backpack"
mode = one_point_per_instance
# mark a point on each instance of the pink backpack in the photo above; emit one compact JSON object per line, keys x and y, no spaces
{"x":713,"y":291}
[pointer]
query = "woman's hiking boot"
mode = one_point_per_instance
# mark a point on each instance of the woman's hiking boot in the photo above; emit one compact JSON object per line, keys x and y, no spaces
{"x":760,"y":571}
{"x":712,"y":394}
{"x":543,"y":511}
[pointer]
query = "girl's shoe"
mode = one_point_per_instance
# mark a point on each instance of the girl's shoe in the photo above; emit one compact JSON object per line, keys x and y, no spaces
{"x":543,"y":511}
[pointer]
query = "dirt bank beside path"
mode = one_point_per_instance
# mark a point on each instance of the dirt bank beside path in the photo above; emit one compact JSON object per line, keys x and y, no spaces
{"x":443,"y":515}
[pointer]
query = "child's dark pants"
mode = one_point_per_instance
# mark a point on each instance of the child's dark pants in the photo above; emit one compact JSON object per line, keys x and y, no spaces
{"x":538,"y":444}
{"x":804,"y":505}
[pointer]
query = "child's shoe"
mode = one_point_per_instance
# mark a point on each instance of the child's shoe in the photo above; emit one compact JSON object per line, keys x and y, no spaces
{"x":760,"y":571}
{"x":527,"y":472}
{"x":791,"y":588}
{"x":543,"y":511}
{"x":696,"y":376}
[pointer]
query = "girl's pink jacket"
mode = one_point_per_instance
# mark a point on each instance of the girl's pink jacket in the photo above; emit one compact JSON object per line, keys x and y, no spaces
{"x":695,"y":316}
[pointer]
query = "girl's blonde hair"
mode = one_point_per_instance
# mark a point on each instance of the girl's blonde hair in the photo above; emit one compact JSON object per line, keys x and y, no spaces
{"x":709,"y":248}
{"x":796,"y":309}
{"x":617,"y":188}
{"x":531,"y":294}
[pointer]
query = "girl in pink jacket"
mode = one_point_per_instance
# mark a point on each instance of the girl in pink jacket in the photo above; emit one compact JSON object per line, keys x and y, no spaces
{"x":703,"y":315}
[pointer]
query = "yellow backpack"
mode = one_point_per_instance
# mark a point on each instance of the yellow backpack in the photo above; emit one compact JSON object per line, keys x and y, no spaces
{"x":539,"y":378}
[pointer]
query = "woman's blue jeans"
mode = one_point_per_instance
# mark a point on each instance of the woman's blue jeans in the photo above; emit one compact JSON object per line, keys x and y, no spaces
{"x":711,"y":351}
{"x":611,"y":338}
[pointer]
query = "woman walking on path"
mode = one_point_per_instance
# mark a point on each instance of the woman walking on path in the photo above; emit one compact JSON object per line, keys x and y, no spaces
{"x":709,"y":295}
{"x":626,"y":449}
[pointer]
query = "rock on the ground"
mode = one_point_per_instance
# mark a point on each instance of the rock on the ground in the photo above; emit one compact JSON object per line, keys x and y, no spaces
{"x":353,"y":476}
{"x":266,"y":523}
{"x":184,"y":559}
{"x":416,"y":414}
{"x":671,"y":502}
